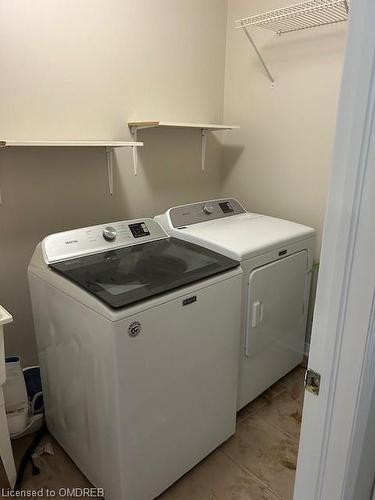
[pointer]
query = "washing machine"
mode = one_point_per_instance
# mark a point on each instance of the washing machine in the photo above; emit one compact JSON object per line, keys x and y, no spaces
{"x":276,"y":258}
{"x":139,"y":365}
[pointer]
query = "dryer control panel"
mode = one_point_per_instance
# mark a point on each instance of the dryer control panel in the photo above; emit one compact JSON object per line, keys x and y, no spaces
{"x":95,"y":239}
{"x":204,"y":211}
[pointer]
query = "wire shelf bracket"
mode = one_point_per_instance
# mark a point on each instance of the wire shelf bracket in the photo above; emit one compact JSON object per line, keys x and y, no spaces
{"x":260,"y":57}
{"x":300,"y":16}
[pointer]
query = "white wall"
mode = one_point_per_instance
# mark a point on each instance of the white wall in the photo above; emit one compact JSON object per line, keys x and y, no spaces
{"x":279,"y":162}
{"x":81,"y":69}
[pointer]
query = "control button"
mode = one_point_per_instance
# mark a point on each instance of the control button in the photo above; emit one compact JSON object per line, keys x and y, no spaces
{"x":208,"y":209}
{"x":109,"y":233}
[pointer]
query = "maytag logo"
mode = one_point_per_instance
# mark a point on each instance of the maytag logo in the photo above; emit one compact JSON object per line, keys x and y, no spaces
{"x":189,"y":301}
{"x":69,"y":242}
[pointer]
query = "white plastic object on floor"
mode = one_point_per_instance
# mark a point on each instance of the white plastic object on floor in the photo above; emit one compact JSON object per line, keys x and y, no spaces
{"x":18,"y":420}
{"x":15,"y":393}
{"x":34,"y":424}
{"x":15,"y":396}
{"x":6,"y":452}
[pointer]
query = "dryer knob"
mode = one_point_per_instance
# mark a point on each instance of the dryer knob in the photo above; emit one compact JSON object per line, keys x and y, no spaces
{"x":109,"y":233}
{"x":208,"y":209}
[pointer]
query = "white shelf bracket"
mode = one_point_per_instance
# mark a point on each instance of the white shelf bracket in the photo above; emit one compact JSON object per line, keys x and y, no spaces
{"x":203,"y":145}
{"x":260,"y":57}
{"x":109,"y":158}
{"x":133,"y":131}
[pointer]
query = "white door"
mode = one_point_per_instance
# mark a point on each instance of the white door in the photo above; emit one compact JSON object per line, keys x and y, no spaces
{"x":276,"y":312}
{"x":335,"y":427}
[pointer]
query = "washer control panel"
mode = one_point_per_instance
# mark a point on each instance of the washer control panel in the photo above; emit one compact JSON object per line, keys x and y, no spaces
{"x":95,"y":239}
{"x":204,"y":211}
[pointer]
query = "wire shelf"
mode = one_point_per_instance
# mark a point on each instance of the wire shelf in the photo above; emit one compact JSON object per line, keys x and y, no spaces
{"x":305,"y":15}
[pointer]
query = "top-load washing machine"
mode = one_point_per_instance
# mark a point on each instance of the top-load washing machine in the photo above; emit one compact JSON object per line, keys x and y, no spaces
{"x":139,"y":365}
{"x":276,"y":258}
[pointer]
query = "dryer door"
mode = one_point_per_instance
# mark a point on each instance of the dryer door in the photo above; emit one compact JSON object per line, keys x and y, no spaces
{"x":276,"y":314}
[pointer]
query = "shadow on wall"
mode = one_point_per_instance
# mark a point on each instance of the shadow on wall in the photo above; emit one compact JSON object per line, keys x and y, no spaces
{"x":47,"y":190}
{"x":43,"y":191}
{"x":231,"y":154}
{"x":169,"y":171}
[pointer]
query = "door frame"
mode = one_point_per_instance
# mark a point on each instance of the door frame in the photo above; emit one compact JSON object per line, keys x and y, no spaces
{"x":335,"y":423}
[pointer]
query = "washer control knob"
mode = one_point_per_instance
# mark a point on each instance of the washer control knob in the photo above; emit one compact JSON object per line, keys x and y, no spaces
{"x":208,"y":209}
{"x":109,"y":233}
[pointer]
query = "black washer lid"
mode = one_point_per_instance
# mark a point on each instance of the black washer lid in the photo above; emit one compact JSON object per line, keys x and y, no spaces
{"x":123,"y":276}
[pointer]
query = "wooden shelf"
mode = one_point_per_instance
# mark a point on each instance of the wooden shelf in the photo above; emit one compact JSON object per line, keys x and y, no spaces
{"x":134,"y":126}
{"x":105,"y":144}
{"x":202,"y":126}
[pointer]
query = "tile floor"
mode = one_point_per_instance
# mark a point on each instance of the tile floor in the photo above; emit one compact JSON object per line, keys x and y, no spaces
{"x":257,"y":463}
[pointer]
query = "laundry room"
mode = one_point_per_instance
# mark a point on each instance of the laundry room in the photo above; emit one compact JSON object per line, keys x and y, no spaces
{"x":164,"y":175}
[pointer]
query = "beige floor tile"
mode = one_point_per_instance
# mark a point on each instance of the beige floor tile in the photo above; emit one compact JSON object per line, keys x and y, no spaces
{"x":260,"y":445}
{"x":19,"y":447}
{"x":294,"y":381}
{"x":217,"y":478}
{"x":285,"y":413}
{"x":251,"y":409}
{"x":285,"y":410}
{"x":56,"y":471}
{"x":266,"y":452}
{"x":262,"y":401}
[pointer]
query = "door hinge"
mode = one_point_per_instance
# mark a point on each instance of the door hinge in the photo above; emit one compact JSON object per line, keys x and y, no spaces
{"x":312,"y":381}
